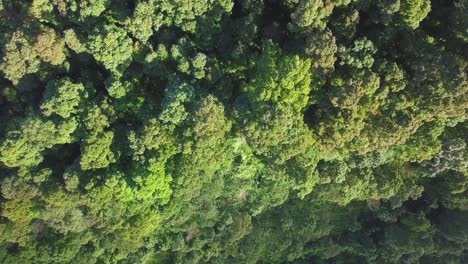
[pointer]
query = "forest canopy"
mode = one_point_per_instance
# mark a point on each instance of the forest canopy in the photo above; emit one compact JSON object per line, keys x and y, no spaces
{"x":233,"y":131}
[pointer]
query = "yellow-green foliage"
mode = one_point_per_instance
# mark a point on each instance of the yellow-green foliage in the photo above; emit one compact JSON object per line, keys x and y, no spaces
{"x":281,"y":79}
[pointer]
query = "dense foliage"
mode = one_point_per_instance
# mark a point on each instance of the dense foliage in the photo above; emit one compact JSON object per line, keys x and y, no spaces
{"x":233,"y":131}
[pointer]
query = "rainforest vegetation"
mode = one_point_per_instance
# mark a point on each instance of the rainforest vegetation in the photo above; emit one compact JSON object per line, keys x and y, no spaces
{"x":233,"y":131}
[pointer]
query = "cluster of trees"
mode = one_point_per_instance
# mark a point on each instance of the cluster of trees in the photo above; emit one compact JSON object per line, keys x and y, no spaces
{"x":233,"y":131}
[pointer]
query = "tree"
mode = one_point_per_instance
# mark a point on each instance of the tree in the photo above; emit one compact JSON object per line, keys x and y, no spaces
{"x":143,"y":21}
{"x":281,"y":79}
{"x":184,"y":14}
{"x":321,"y":47}
{"x":96,"y":142}
{"x":96,"y":152}
{"x":268,"y":131}
{"x":413,"y":12}
{"x":353,"y":100}
{"x":310,"y":14}
{"x":387,"y":10}
{"x":20,"y":58}
{"x":359,"y":55}
{"x":111,"y":46}
{"x":178,"y":93}
{"x":344,"y":25}
{"x":23,"y":145}
{"x":50,"y":48}
{"x":63,"y":97}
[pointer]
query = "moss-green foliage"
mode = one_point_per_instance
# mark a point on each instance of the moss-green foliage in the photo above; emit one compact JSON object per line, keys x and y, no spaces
{"x":359,"y":55}
{"x":177,"y":94}
{"x":111,"y":46}
{"x":221,"y":131}
{"x":19,"y":58}
{"x":62,"y":97}
{"x":23,"y":146}
{"x":97,"y":139}
{"x":309,"y":14}
{"x":412,"y":12}
{"x":49,"y":47}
